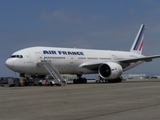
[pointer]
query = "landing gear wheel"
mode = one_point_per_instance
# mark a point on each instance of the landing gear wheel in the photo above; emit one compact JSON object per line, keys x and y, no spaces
{"x":74,"y":81}
{"x":40,"y":84}
{"x":51,"y":84}
{"x":79,"y":80}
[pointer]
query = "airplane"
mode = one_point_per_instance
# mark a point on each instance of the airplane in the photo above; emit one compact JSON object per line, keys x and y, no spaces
{"x":108,"y":64}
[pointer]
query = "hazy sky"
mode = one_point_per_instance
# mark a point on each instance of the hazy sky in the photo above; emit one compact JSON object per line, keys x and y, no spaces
{"x":96,"y":24}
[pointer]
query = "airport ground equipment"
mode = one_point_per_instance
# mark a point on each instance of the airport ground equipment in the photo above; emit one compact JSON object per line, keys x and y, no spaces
{"x":53,"y":71}
{"x":49,"y":81}
{"x":100,"y":79}
{"x":13,"y":82}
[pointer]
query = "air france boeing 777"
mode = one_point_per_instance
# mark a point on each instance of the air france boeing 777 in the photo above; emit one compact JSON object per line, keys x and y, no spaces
{"x":108,"y":64}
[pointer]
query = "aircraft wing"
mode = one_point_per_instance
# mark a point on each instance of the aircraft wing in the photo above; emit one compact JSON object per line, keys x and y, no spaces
{"x":95,"y":65}
{"x":145,"y":58}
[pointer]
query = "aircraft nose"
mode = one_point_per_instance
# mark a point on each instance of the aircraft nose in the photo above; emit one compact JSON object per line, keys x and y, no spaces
{"x":9,"y":63}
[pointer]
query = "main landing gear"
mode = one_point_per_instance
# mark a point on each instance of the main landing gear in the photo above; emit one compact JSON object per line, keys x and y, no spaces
{"x":80,"y":79}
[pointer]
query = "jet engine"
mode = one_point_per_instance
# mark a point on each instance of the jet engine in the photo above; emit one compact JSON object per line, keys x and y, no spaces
{"x":110,"y":70}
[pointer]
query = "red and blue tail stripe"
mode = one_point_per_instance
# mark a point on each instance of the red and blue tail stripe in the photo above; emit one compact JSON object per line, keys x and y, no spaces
{"x":139,"y":42}
{"x":137,"y":45}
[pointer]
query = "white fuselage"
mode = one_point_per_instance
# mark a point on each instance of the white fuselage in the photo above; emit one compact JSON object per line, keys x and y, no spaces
{"x":66,"y":60}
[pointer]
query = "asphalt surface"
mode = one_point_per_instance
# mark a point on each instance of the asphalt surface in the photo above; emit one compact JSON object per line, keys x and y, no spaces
{"x":132,"y":100}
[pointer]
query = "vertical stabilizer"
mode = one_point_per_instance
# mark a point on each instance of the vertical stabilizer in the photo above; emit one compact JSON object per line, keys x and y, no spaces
{"x":137,"y":45}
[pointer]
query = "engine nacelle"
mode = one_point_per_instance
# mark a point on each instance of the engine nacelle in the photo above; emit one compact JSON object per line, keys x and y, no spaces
{"x":110,"y":70}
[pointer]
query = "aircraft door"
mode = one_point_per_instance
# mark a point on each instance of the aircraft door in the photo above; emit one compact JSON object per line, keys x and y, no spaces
{"x":70,"y":62}
{"x":39,"y":56}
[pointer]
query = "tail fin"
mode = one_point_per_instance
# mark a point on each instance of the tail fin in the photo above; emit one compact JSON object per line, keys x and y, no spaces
{"x":137,"y":45}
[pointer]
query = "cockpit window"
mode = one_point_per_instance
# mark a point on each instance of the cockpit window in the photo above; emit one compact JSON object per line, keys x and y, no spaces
{"x":20,"y":56}
{"x":13,"y":56}
{"x":16,"y":56}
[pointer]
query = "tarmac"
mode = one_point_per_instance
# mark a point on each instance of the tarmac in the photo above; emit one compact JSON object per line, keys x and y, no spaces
{"x":129,"y":100}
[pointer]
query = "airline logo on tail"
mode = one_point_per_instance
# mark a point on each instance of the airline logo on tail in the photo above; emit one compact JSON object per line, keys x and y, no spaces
{"x":139,"y":40}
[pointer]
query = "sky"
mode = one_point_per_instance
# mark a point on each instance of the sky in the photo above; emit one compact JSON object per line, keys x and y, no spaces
{"x":93,"y":24}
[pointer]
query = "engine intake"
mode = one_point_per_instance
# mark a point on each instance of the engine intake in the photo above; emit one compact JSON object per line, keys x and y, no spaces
{"x":110,"y":70}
